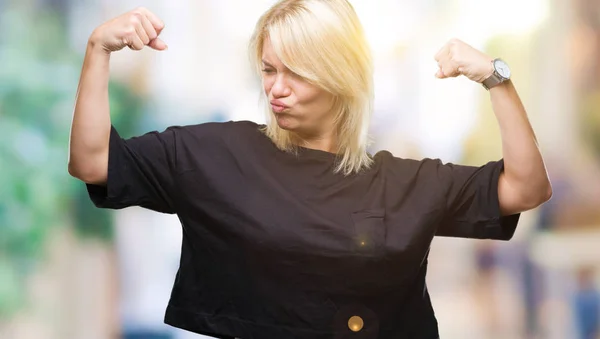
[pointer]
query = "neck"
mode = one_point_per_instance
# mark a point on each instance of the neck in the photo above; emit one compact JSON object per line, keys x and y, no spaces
{"x":321,"y":145}
{"x":326,"y":142}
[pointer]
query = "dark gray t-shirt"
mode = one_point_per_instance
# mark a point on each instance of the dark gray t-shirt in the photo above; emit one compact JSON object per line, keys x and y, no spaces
{"x":278,"y":246}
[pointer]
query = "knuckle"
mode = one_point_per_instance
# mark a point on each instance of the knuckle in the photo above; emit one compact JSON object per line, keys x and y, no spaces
{"x":453,"y":50}
{"x":129,"y":31}
{"x":135,"y":18}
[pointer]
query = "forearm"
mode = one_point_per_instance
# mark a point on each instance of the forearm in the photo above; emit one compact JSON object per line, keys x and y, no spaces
{"x":524,"y":168}
{"x":90,"y":129}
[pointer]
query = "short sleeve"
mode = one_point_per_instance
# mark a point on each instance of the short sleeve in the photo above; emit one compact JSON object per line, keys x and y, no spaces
{"x":472,"y":204}
{"x":141,"y":172}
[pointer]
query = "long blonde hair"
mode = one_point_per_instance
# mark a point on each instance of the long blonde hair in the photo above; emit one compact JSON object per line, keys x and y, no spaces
{"x":323,"y":42}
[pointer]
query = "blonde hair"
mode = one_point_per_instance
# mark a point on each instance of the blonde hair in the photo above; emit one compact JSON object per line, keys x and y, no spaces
{"x":323,"y":42}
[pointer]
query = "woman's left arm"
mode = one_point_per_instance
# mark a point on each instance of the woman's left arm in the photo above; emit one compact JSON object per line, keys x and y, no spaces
{"x":524,"y":183}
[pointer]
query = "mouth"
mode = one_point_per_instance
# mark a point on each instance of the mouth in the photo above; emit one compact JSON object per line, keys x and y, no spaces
{"x":278,"y":106}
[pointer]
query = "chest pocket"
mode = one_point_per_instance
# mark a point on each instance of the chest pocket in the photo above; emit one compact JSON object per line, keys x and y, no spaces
{"x":369,"y":232}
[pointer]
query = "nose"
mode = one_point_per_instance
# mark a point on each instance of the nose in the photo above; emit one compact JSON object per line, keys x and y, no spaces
{"x":281,"y":87}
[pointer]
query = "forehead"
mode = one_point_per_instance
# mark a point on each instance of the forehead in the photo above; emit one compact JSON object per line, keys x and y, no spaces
{"x":269,"y":55}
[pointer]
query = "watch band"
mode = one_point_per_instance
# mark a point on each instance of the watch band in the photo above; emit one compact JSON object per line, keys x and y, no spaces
{"x":493,"y":80}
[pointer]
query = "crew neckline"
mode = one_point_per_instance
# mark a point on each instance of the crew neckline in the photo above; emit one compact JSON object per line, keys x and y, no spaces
{"x":302,"y":151}
{"x":316,"y":152}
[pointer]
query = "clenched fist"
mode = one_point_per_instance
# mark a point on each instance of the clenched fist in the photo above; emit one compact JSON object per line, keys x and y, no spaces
{"x":457,"y":58}
{"x":134,"y":29}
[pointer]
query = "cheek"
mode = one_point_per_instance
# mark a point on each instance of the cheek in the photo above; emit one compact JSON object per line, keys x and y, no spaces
{"x":314,"y":97}
{"x":267,"y":84}
{"x":305,"y":93}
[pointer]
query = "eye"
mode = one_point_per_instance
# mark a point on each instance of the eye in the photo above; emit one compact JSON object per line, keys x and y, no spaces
{"x":268,"y":70}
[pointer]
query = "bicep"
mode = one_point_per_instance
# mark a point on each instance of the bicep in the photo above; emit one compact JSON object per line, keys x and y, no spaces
{"x":98,"y":171}
{"x":511,"y":199}
{"x":508,"y":197}
{"x":94,"y":172}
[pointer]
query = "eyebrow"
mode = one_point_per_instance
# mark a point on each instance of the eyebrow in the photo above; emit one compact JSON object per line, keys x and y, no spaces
{"x":266,"y":63}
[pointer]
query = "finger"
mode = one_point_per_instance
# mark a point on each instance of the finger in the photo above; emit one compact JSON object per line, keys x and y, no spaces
{"x":154,"y":20}
{"x":149,"y":29}
{"x":134,"y":42}
{"x":451,"y":72}
{"x":440,"y":74}
{"x":442,"y":53}
{"x":451,"y":69}
{"x":447,"y":70}
{"x":442,"y":66}
{"x":135,"y":24}
{"x":456,"y":69}
{"x":444,"y":59}
{"x":141,"y":33}
{"x":158,"y":44}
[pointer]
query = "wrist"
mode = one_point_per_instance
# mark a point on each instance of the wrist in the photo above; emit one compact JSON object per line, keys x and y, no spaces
{"x":95,"y":47}
{"x":500,"y":73}
{"x":501,"y":87}
{"x":489,"y":71}
{"x":96,"y":57}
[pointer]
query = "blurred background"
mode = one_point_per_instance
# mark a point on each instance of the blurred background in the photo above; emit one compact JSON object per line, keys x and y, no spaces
{"x":70,"y":271}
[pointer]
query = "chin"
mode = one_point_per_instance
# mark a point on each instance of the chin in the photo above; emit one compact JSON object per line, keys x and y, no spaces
{"x":286,"y":122}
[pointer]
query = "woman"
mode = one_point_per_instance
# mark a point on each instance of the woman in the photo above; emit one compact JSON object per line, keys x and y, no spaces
{"x":292,"y":230}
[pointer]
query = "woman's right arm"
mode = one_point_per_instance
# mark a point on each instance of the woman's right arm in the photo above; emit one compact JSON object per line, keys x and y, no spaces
{"x":90,"y":128}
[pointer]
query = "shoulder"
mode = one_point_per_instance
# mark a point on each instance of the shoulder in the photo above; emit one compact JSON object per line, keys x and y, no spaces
{"x":215,"y":130}
{"x":388,"y":161}
{"x":244,"y":128}
{"x":418,"y":178}
{"x":405,"y":170}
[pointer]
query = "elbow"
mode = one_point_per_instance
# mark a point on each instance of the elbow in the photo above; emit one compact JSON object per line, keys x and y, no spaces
{"x":77,"y":171}
{"x":548,"y":193}
{"x":88,"y":176}
{"x":541,"y":194}
{"x":91,"y":169}
{"x":72,"y":169}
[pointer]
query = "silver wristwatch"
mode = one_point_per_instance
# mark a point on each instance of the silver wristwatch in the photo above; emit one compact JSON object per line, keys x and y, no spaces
{"x":500,"y":75}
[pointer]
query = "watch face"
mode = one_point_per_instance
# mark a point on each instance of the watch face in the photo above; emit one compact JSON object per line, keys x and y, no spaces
{"x":502,"y":68}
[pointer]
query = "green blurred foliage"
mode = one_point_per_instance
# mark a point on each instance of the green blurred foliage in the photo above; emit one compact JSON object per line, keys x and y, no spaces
{"x":37,"y":94}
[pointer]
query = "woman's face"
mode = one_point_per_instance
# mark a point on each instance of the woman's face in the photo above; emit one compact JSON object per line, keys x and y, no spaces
{"x":297,"y":105}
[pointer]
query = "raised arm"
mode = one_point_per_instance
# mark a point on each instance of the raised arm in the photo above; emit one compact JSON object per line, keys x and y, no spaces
{"x":90,"y":129}
{"x":524,"y":183}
